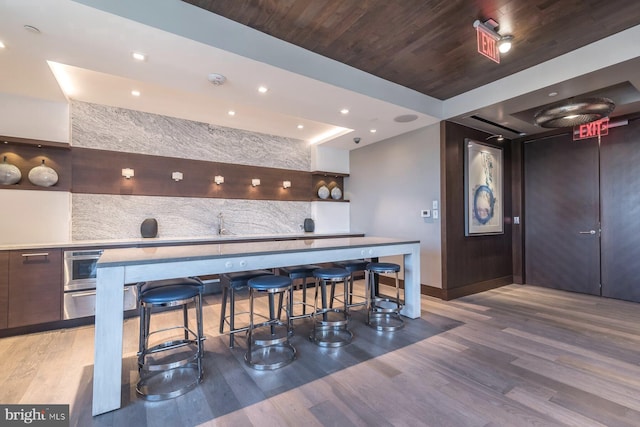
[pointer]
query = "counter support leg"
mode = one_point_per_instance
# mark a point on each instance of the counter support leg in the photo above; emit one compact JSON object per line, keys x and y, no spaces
{"x":107,"y":368}
{"x":412,"y":284}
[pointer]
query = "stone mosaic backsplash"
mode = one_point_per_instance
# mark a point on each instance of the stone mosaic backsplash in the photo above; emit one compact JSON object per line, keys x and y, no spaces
{"x":99,"y":217}
{"x":96,"y":217}
{"x":118,"y":129}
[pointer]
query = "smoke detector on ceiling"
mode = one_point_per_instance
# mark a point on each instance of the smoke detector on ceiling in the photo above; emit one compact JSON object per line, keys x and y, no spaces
{"x":217,"y":79}
{"x":573,"y":112}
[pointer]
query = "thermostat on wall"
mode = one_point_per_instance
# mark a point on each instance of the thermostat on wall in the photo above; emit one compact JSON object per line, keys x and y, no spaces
{"x":425,"y":213}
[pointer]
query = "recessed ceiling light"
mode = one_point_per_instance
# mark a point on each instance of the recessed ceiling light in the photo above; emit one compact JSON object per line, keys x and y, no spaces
{"x":231,"y":113}
{"x":300,"y":126}
{"x":135,"y":92}
{"x":138,"y":56}
{"x":373,"y":131}
{"x":2,"y":46}
{"x":263,"y":89}
{"x":344,"y":111}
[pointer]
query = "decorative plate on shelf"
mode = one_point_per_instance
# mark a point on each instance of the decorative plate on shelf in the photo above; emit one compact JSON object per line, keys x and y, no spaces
{"x":323,"y":192}
{"x":336,"y":193}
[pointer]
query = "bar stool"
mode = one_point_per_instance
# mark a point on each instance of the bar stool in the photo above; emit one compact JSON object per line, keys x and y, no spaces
{"x":383,"y":313}
{"x":232,"y":282}
{"x":268,"y":345}
{"x":352,"y":266}
{"x":330,"y":325}
{"x":299,"y":272}
{"x":168,"y":375}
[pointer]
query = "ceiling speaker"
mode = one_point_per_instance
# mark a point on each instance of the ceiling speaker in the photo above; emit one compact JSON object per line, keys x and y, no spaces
{"x":573,"y":112}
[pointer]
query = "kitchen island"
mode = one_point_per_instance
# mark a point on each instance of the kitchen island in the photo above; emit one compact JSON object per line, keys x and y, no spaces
{"x":119,"y":266}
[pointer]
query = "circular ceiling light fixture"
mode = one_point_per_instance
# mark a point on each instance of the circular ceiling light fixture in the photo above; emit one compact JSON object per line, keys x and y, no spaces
{"x":405,"y":118}
{"x":216,"y":79}
{"x":573,"y":112}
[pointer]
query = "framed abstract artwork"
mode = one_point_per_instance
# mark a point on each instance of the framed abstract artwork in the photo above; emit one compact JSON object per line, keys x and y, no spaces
{"x":483,"y":199}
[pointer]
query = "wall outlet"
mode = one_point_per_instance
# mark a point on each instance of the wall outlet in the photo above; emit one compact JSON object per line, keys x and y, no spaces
{"x":516,"y":220}
{"x":425,"y":213}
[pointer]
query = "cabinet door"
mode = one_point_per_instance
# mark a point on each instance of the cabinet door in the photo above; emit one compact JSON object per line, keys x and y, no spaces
{"x":35,"y":287}
{"x":4,"y":288}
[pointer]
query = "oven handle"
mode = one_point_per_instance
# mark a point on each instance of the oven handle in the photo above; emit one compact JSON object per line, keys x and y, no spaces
{"x":92,"y":292}
{"x":82,"y":294}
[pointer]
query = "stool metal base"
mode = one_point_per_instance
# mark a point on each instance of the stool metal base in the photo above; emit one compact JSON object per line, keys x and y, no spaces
{"x":330,"y":327}
{"x":383,"y":313}
{"x":162,"y":385}
{"x":269,"y":357}
{"x":331,"y":336}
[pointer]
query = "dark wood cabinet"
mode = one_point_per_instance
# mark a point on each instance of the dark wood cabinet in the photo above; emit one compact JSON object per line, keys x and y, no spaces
{"x":4,"y":288}
{"x":35,"y":287}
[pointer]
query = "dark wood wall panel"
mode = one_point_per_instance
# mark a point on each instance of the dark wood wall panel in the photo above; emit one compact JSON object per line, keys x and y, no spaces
{"x":99,"y":172}
{"x":4,"y":288}
{"x":517,"y":194}
{"x":620,"y":197}
{"x":26,"y":157}
{"x":470,"y":260}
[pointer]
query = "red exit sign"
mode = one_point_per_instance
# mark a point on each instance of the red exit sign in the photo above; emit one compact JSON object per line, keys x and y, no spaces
{"x":487,"y":44}
{"x":591,"y":130}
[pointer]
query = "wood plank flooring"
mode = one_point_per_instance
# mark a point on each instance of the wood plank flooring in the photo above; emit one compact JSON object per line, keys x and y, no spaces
{"x":514,"y":356}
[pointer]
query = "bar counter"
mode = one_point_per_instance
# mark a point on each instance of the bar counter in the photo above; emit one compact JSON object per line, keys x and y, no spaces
{"x":131,"y":265}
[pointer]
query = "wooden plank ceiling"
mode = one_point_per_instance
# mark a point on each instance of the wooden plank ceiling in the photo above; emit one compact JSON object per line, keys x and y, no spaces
{"x":430,"y":45}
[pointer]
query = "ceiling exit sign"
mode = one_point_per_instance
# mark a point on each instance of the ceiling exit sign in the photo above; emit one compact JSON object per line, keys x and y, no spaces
{"x":591,"y":130}
{"x":487,"y":44}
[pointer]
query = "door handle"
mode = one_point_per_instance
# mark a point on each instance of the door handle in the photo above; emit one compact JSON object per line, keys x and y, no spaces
{"x":587,"y":232}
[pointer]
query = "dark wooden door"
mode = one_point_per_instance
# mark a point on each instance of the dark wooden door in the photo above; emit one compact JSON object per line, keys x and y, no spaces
{"x":620,"y":184}
{"x":561,"y":205}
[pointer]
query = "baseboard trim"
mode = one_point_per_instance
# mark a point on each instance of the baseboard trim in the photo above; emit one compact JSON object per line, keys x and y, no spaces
{"x":478,"y":287}
{"x":449,"y":294}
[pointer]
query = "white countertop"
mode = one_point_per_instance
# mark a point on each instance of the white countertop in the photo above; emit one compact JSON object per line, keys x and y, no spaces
{"x":158,"y":254}
{"x":165,"y":241}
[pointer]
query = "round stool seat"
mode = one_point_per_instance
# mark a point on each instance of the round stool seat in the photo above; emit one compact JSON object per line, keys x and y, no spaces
{"x":333,"y":273}
{"x":165,"y":294}
{"x":353,"y":265}
{"x":239,"y":279}
{"x":264,"y":283}
{"x":300,"y":271}
{"x":383,"y":267}
{"x":146,"y":286}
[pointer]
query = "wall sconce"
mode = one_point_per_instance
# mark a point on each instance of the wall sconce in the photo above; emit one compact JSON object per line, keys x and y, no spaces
{"x":255,"y":182}
{"x":128,"y":172}
{"x":218,"y":179}
{"x":176,"y":176}
{"x":286,"y":184}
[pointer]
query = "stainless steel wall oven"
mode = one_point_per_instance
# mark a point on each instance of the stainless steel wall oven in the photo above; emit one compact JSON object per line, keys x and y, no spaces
{"x":80,"y":284}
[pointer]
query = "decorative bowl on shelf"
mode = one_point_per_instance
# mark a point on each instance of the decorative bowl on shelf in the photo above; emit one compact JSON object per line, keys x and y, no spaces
{"x":43,"y":176}
{"x":323,"y":192}
{"x":9,"y":174}
{"x":336,"y":193}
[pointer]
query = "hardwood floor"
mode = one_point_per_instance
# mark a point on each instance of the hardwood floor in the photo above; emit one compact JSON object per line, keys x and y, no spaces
{"x":513,"y":356}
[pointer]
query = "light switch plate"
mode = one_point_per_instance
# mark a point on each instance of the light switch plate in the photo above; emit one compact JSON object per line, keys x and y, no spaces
{"x":434,"y":204}
{"x":436,"y":215}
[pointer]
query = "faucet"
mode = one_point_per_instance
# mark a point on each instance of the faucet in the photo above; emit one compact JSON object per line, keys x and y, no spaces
{"x":221,"y":229}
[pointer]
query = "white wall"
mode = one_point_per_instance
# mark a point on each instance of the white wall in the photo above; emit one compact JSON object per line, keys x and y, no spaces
{"x":389,"y":183}
{"x":329,"y":159}
{"x":25,"y":117}
{"x":31,"y":216}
